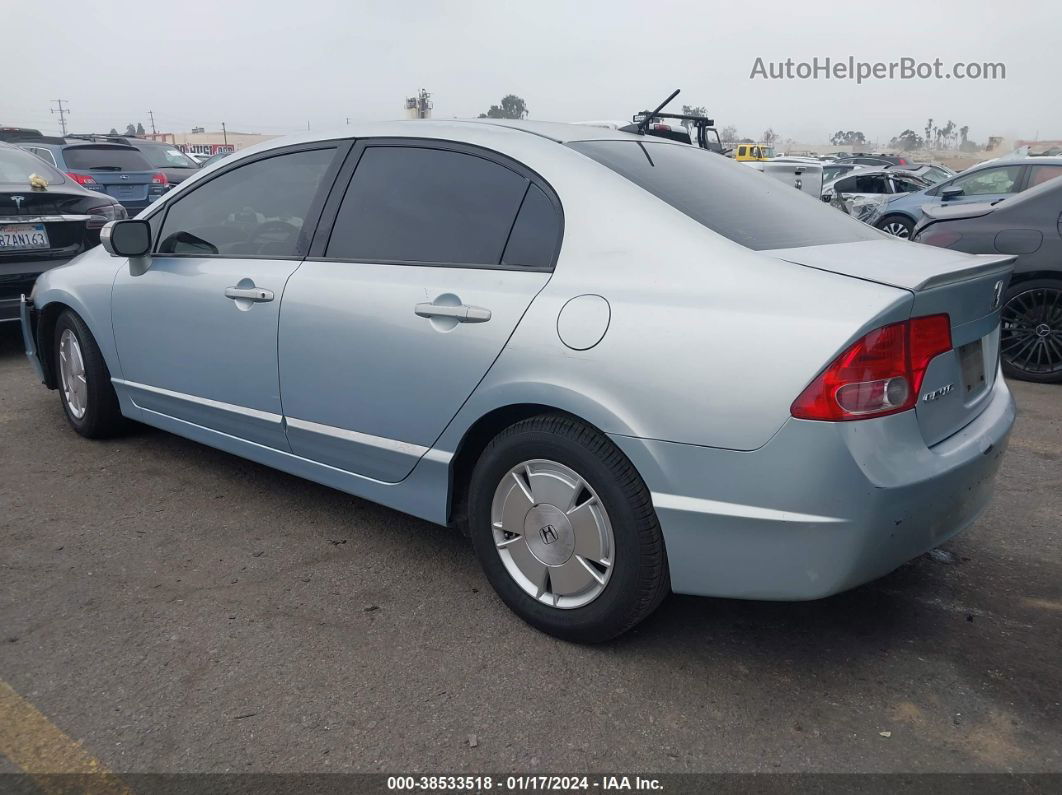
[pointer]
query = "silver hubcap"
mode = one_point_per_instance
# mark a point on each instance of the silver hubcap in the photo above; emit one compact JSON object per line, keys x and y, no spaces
{"x":552,"y":533}
{"x":897,"y":229}
{"x":72,"y":374}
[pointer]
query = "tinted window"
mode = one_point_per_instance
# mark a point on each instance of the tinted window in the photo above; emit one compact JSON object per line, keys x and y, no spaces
{"x":906,"y":185}
{"x":1041,"y":174}
{"x":845,"y":186}
{"x":726,"y":196}
{"x":988,"y":181}
{"x":535,"y":234}
{"x":872,"y":183}
{"x":104,"y":158}
{"x":409,"y":204}
{"x":255,"y":210}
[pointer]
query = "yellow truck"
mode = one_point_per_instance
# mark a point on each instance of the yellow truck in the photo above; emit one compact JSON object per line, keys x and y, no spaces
{"x":753,"y":152}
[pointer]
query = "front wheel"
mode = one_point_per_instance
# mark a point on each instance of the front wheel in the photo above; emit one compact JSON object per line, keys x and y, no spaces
{"x":897,"y":225}
{"x":565,"y":530}
{"x":1031,"y":331}
{"x":88,"y":398}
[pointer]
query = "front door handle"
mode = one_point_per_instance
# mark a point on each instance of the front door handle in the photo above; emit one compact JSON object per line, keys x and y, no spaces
{"x":461,"y":313}
{"x":249,"y":293}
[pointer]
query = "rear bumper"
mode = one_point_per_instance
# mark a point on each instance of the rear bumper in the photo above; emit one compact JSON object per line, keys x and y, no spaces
{"x":822,"y":507}
{"x":28,"y":318}
{"x":17,"y":278}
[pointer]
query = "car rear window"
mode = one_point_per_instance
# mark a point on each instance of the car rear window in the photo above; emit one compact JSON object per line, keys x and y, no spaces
{"x":740,"y":203}
{"x":17,"y":166}
{"x":105,"y":158}
{"x":163,"y":156}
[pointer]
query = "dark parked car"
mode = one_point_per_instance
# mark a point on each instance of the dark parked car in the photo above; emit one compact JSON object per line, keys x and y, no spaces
{"x":15,"y":134}
{"x":167,"y":158}
{"x":877,"y":160}
{"x":43,"y":222}
{"x":1030,"y":227}
{"x":118,"y":170}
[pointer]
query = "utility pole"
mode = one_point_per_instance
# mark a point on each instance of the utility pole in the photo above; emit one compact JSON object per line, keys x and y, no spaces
{"x":224,"y":134}
{"x":62,"y":113}
{"x":348,"y":121}
{"x":151,"y":114}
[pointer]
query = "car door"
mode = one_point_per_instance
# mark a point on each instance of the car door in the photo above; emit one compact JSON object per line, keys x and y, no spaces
{"x":197,"y":332}
{"x":425,"y":262}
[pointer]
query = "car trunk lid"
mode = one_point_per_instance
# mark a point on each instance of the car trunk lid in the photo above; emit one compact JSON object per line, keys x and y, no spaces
{"x":969,"y":288}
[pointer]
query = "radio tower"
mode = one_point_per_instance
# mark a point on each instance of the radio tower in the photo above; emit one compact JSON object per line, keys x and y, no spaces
{"x":62,"y":113}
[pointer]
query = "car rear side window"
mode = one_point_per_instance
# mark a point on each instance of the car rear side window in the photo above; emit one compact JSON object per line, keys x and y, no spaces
{"x":416,"y":204}
{"x":105,"y":158}
{"x":256,"y":210}
{"x":536,"y":233}
{"x":744,"y":205}
{"x":1041,"y":174}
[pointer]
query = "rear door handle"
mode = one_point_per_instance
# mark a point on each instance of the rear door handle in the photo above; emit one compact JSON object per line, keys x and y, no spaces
{"x":249,"y":293}
{"x":462,"y":313}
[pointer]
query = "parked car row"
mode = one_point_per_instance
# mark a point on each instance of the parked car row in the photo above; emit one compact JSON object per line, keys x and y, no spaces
{"x":46,"y":218}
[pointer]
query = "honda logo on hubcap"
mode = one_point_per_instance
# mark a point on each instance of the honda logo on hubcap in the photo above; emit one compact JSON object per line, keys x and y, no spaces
{"x":548,"y":533}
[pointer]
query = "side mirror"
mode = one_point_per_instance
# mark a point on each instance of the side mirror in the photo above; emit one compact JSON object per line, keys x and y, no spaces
{"x":126,"y":238}
{"x":951,"y":193}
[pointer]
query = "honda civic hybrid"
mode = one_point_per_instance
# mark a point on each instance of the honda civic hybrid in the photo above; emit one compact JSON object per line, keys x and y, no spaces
{"x":622,"y":365}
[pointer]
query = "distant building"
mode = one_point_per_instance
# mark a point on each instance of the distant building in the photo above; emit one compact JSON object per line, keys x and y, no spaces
{"x":201,"y":142}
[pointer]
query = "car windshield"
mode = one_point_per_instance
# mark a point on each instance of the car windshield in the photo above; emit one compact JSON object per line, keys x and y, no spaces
{"x":727,"y":197}
{"x":17,"y":166}
{"x":104,"y":157}
{"x":166,"y":156}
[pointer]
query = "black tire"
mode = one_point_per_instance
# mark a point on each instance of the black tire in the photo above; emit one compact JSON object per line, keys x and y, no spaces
{"x":897,"y":222}
{"x":1029,"y":308}
{"x":102,"y":417}
{"x":639,"y":579}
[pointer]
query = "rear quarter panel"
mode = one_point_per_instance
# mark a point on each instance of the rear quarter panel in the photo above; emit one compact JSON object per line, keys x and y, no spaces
{"x":707,"y":342}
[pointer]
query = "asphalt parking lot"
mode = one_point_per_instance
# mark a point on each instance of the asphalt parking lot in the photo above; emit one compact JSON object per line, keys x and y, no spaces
{"x":175,"y":608}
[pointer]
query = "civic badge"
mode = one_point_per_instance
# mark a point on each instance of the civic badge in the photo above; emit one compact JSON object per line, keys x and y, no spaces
{"x":125,"y":176}
{"x":997,"y":295}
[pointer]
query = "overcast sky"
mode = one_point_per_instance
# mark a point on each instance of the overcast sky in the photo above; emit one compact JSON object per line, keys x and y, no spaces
{"x":271,"y":66}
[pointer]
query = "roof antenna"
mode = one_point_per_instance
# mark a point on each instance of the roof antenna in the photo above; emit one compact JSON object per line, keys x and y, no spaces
{"x":643,"y":126}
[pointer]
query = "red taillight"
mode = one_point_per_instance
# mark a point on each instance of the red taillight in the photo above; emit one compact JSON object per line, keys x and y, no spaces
{"x":662,"y":127}
{"x":158,"y":178}
{"x":81,"y":179}
{"x":902,"y":162}
{"x":878,"y":375}
{"x":940,"y":239}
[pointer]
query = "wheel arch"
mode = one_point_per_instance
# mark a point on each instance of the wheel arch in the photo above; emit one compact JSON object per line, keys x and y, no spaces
{"x":476,"y":438}
{"x":1028,"y":276}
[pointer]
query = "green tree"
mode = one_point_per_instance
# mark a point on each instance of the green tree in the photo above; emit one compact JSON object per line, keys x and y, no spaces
{"x":140,"y":129}
{"x":130,"y":129}
{"x":907,"y":141}
{"x":512,"y":107}
{"x":113,"y":131}
{"x":692,"y":110}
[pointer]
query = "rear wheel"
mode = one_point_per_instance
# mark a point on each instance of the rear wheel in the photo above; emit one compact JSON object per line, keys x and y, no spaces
{"x":565,"y":530}
{"x":897,"y":225}
{"x":85,"y":389}
{"x":1031,"y":331}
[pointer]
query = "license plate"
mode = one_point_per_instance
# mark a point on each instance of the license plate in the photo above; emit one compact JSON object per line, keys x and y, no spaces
{"x":972,"y":360}
{"x":23,"y":237}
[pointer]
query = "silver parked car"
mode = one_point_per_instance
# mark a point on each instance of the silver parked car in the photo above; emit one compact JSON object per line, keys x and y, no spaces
{"x":622,"y":365}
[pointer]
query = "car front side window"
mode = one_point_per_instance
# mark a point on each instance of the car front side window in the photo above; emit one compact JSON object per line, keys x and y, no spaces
{"x":990,"y":181}
{"x":256,"y":210}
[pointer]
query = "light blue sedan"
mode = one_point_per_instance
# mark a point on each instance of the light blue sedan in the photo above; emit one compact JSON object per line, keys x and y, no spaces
{"x":622,"y":365}
{"x":988,"y":182}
